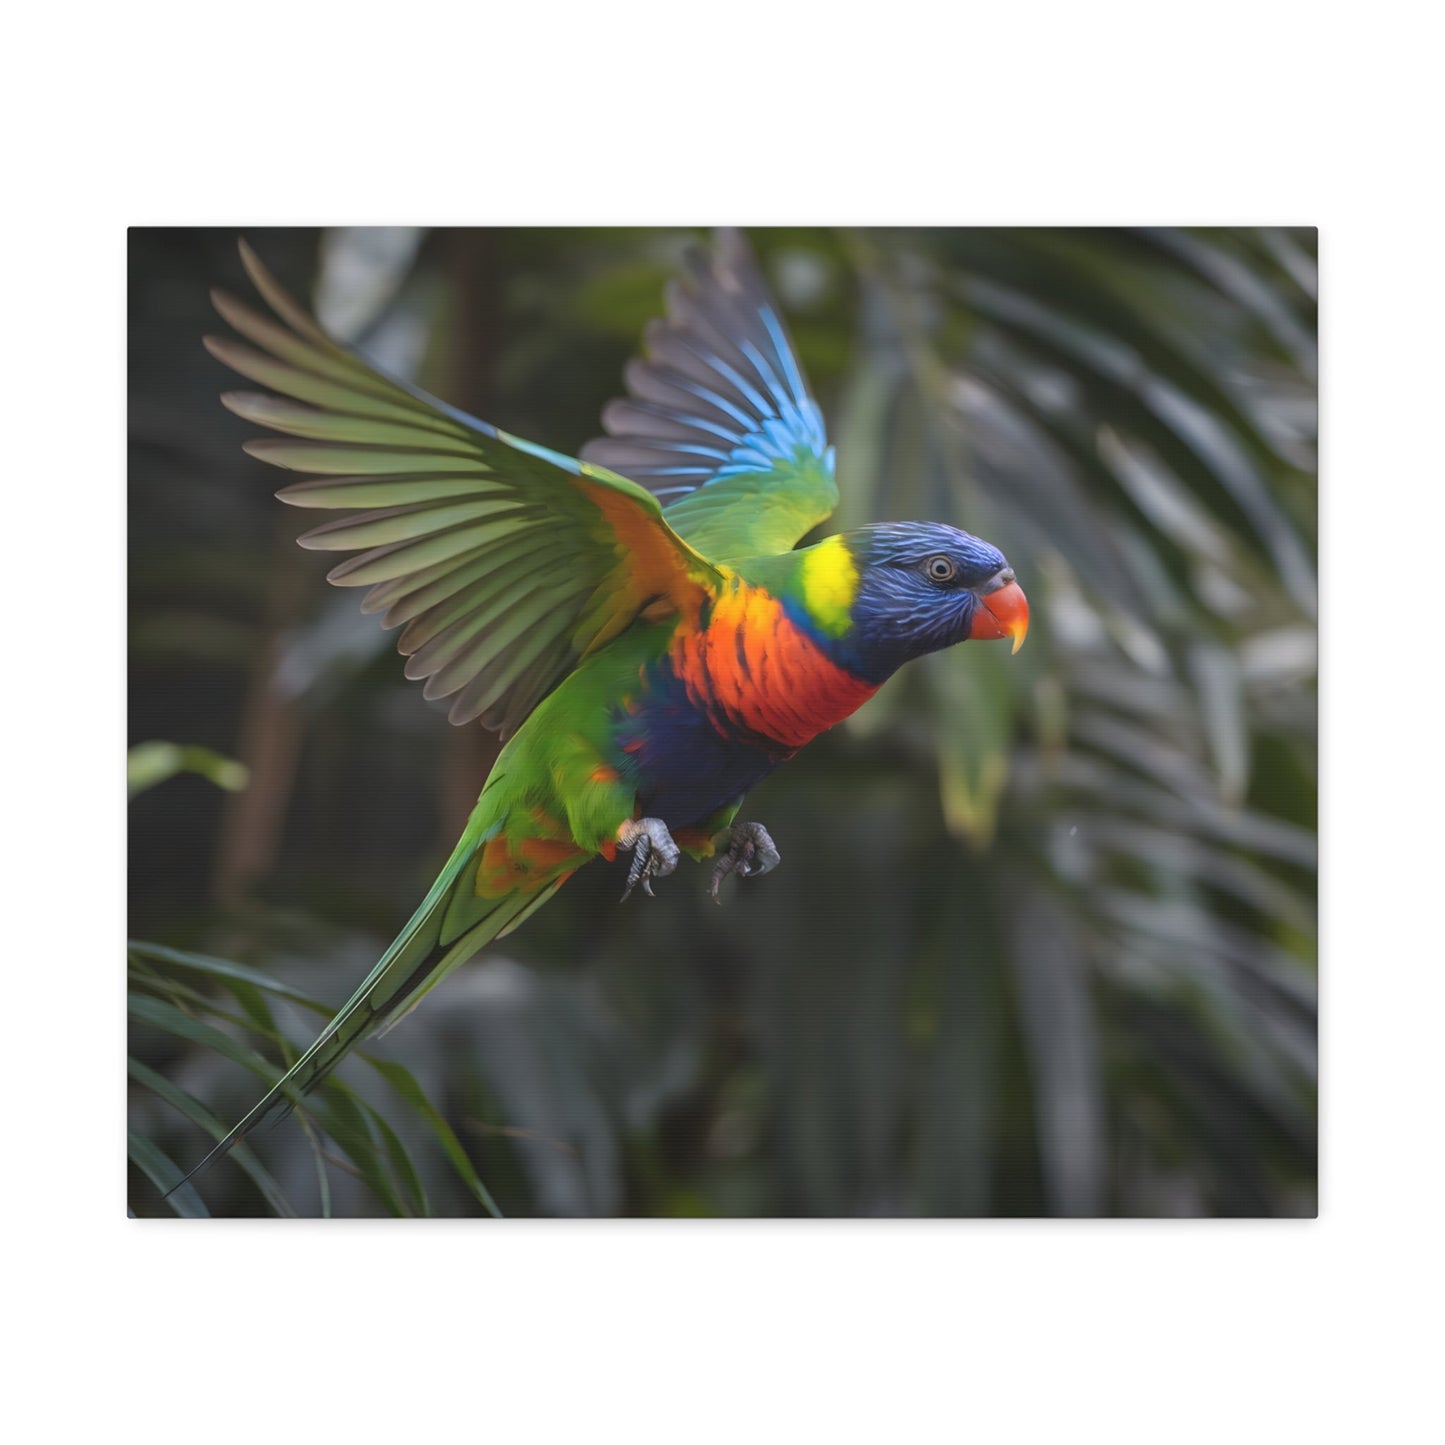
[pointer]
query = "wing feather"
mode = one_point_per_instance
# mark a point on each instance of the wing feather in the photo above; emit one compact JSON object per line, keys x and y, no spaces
{"x":719,"y":424}
{"x":506,"y":562}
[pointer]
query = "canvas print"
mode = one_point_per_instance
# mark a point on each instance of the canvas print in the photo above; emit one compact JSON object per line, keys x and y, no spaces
{"x":760,"y":722}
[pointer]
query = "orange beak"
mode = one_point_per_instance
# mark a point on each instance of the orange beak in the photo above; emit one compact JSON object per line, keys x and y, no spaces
{"x":1003,"y":613}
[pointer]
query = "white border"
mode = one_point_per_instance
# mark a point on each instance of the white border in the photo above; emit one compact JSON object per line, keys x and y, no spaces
{"x":164,"y":113}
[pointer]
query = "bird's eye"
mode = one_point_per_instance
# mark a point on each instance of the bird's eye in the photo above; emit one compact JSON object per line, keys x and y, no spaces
{"x":941,"y":569}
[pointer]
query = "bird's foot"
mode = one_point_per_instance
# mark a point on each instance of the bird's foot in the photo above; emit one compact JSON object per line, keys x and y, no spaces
{"x":654,"y":854}
{"x":752,"y":851}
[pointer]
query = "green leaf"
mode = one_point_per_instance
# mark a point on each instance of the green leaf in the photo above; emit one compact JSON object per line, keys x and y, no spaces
{"x":147,"y":764}
{"x":223,"y":970}
{"x":402,"y":1081}
{"x":400,"y":1161}
{"x":197,"y":1112}
{"x":165,"y":1175}
{"x":336,"y":1109}
{"x":973,"y":704}
{"x":167,"y":1016}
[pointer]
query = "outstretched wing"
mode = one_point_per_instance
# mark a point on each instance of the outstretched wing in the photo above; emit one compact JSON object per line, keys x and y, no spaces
{"x":718,"y":423}
{"x":505,"y":562}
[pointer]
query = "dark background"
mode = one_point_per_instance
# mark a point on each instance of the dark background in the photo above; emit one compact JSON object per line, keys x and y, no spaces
{"x":1043,"y":937}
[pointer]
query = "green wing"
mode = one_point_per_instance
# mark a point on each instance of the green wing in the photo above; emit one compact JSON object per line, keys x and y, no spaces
{"x":504,"y":562}
{"x":718,"y":424}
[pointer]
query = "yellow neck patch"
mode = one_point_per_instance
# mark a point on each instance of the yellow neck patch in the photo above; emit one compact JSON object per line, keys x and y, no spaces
{"x":830,"y":583}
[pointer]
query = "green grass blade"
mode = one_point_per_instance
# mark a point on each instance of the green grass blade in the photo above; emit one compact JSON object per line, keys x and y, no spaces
{"x":197,"y":1113}
{"x":402,"y":1081}
{"x":222,"y":968}
{"x":164,"y":1173}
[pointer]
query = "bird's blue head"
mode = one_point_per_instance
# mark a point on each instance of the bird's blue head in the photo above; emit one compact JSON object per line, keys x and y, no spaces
{"x":901,"y":589}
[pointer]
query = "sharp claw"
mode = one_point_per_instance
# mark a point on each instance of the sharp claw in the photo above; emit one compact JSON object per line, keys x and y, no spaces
{"x":750,"y":853}
{"x":655,"y":854}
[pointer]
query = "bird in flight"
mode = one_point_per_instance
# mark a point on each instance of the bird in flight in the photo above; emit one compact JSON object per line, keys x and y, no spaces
{"x":638,"y":624}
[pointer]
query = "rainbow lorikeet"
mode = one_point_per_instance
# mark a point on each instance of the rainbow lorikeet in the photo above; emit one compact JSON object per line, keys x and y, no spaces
{"x":636,"y":624}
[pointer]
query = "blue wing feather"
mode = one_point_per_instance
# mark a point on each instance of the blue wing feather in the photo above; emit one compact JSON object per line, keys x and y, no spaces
{"x":722,"y":383}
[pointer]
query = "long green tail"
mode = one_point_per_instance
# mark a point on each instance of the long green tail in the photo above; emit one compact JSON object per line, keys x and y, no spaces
{"x":451,"y":925}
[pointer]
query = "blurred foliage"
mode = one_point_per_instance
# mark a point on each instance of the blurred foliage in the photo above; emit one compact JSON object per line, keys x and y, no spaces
{"x":147,"y":764}
{"x":1044,"y":937}
{"x":163,"y":1001}
{"x":164,"y":1006}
